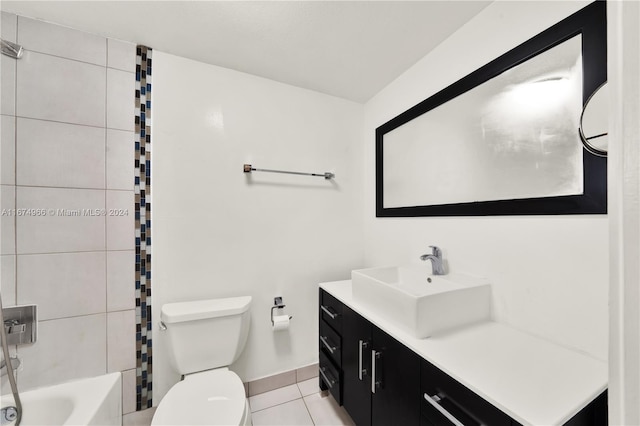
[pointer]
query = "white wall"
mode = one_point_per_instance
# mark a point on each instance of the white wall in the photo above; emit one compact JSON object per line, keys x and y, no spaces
{"x":218,"y":232}
{"x":549,"y":273}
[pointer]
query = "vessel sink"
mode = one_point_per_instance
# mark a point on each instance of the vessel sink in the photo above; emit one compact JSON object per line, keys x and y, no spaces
{"x":421,"y":303}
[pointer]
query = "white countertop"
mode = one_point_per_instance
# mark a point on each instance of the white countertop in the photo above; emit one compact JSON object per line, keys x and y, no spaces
{"x":534,"y":381}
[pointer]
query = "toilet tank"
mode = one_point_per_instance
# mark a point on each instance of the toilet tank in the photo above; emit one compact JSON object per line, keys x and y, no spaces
{"x":206,"y":334}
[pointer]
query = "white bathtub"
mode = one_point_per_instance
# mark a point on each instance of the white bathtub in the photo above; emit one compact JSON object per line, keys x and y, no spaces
{"x":93,"y":401}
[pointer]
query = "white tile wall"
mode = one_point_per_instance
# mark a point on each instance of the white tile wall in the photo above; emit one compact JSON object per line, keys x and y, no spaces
{"x":121,"y":55}
{"x":8,"y":220}
{"x":5,"y":387}
{"x":66,"y":349}
{"x":60,"y":154}
{"x":8,"y":277}
{"x":120,"y":153}
{"x":120,"y":220}
{"x":128,"y":391}
{"x":54,"y":232}
{"x":120,"y":101}
{"x":55,"y":155}
{"x":63,"y":284}
{"x":44,"y":37}
{"x":120,"y":276}
{"x":8,"y":85}
{"x":8,"y":29}
{"x":69,"y":91}
{"x":121,"y":342}
{"x":8,"y":150}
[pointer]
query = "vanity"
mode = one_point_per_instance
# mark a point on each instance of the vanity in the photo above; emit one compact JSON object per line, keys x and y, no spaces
{"x":478,"y":373}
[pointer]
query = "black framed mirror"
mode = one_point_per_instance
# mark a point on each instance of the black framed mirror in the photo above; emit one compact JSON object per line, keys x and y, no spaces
{"x":503,"y":140}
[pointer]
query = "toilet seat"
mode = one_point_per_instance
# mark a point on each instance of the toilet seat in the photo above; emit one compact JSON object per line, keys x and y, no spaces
{"x":214,"y":397}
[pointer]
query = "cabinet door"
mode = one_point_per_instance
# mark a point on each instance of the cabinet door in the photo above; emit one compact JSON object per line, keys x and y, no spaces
{"x":444,"y":393}
{"x":356,"y":360}
{"x":396,"y":400}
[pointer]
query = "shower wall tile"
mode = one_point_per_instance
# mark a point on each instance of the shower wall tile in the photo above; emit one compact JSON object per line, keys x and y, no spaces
{"x":63,"y":285}
{"x":8,"y":31}
{"x":5,"y":387}
{"x":121,"y":55}
{"x":121,"y":341}
{"x":74,"y":220}
{"x":128,"y":391}
{"x":58,"y":89}
{"x":120,"y":103}
{"x":120,"y":220}
{"x":44,"y":37}
{"x":8,"y":85}
{"x":8,"y":277}
{"x":60,"y":154}
{"x":7,"y":219}
{"x":67,"y":349}
{"x":120,"y":151}
{"x":8,"y":150}
{"x":9,"y":27}
{"x":121,"y":293}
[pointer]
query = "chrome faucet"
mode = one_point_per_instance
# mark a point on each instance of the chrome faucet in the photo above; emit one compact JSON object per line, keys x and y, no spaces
{"x":436,"y":260}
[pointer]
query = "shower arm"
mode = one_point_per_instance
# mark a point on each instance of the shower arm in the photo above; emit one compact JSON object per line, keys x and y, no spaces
{"x":10,"y":49}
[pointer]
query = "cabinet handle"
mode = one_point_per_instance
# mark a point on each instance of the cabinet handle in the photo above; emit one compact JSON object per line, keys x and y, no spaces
{"x":361,"y":371}
{"x":323,"y":339}
{"x":326,"y":310}
{"x":374,"y":384}
{"x":330,"y":383}
{"x":433,"y":400}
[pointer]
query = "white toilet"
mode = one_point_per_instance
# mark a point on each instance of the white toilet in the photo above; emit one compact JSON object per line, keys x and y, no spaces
{"x":205,"y":337}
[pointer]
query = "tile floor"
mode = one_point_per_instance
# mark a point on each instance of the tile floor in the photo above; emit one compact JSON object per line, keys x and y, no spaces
{"x":299,"y":404}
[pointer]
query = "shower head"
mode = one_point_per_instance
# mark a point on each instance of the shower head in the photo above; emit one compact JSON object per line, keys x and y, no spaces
{"x":11,"y":49}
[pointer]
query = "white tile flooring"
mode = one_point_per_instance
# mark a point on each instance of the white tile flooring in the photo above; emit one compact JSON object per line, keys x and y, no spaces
{"x":299,"y":404}
{"x":296,"y":405}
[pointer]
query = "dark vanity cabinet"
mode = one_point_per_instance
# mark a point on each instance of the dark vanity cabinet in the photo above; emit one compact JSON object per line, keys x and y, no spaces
{"x":330,"y":343}
{"x":373,"y":375}
{"x":379,"y":381}
{"x":444,"y":399}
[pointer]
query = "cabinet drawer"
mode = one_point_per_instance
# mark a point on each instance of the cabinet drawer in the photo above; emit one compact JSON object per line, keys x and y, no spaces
{"x":330,"y":343}
{"x":331,"y":310}
{"x":446,"y":394}
{"x":330,"y":376}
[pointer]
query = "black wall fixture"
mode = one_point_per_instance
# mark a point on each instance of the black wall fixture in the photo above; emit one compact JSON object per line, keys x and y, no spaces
{"x":590,"y":25}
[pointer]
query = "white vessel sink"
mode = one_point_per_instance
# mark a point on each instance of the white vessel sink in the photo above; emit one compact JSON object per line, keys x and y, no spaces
{"x":421,"y":303}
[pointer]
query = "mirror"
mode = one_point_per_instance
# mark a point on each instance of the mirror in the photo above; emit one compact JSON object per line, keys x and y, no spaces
{"x":503,"y":140}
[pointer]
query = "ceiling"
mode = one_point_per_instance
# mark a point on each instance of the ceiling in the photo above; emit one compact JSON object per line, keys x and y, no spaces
{"x":349,"y":49}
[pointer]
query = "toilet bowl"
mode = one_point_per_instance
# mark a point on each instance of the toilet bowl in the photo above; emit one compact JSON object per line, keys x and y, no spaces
{"x":205,"y":337}
{"x":214,"y":397}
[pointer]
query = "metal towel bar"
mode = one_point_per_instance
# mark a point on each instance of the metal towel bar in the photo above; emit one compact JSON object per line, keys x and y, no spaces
{"x":248,"y":168}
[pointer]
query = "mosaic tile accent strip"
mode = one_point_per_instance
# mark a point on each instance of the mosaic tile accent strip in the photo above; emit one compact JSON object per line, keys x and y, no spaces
{"x":142,"y":191}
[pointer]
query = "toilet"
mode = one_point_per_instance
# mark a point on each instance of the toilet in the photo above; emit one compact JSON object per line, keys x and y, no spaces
{"x":205,"y":337}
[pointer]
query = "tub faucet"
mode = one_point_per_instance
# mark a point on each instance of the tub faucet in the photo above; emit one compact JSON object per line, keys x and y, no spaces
{"x":436,"y":260}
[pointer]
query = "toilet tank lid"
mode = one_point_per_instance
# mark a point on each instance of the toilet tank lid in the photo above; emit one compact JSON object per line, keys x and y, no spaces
{"x":203,"y":309}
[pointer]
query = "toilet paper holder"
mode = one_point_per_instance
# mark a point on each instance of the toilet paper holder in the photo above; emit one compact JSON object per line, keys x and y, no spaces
{"x":277,"y":304}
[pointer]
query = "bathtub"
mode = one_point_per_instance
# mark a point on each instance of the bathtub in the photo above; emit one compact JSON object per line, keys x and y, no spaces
{"x":93,"y":401}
